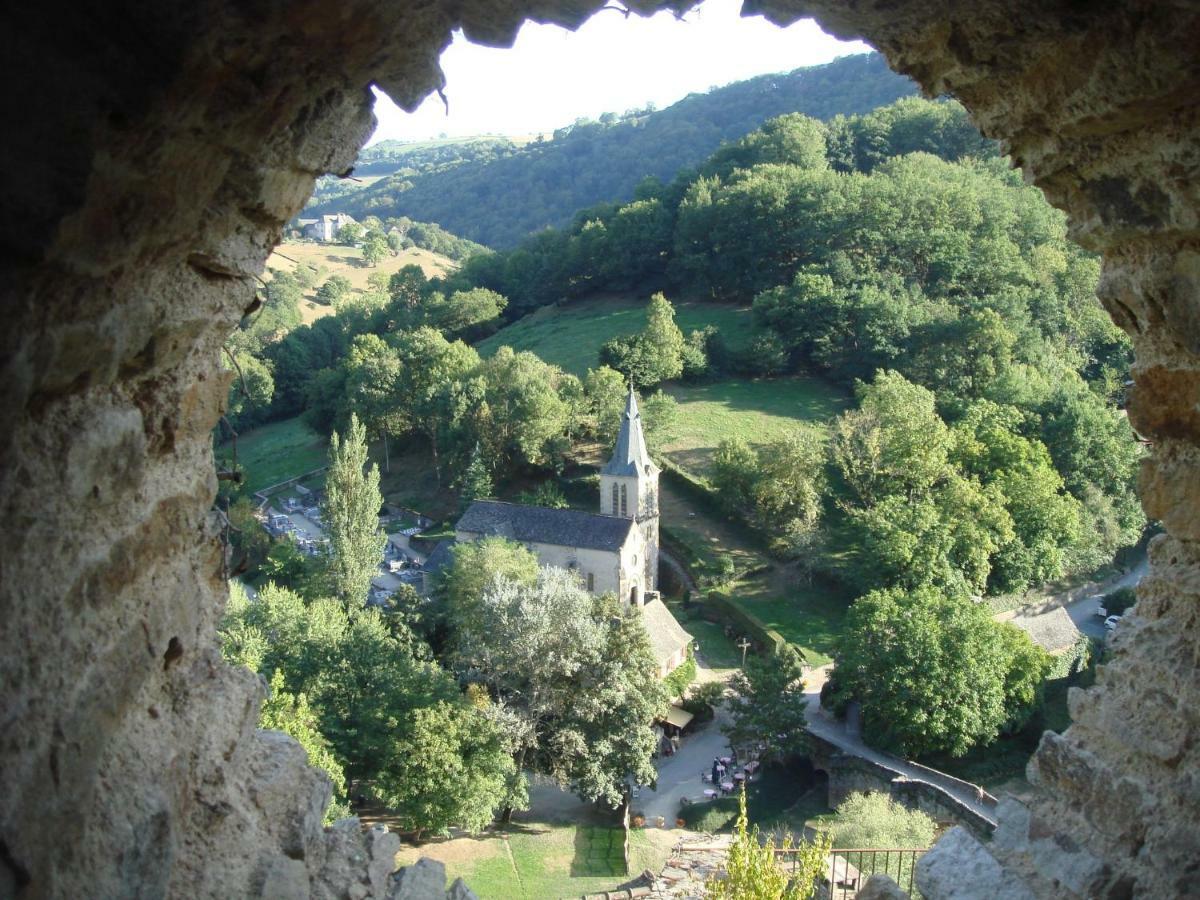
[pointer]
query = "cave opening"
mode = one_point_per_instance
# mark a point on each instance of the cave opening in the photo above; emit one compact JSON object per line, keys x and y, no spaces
{"x":153,"y":173}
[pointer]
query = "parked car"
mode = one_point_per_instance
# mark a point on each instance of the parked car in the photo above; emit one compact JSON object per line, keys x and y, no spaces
{"x":1111,"y":622}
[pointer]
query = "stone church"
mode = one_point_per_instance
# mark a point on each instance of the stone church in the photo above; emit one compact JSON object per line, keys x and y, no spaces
{"x":615,"y":550}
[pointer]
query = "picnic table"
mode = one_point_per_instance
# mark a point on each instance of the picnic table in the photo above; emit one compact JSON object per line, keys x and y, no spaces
{"x":709,"y":793}
{"x":740,"y":776}
{"x":727,"y":786}
{"x":726,"y":760}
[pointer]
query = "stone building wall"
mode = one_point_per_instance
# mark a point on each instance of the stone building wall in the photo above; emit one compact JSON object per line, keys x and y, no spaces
{"x":153,"y":152}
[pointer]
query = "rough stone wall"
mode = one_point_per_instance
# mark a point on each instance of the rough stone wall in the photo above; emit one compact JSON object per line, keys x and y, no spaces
{"x":852,"y":774}
{"x":152,"y":153}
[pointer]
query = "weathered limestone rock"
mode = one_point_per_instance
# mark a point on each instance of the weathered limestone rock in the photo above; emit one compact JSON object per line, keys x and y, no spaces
{"x":881,"y":887}
{"x":153,"y":154}
{"x":959,"y":868}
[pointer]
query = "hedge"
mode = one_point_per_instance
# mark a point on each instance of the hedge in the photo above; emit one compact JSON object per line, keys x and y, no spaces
{"x":767,"y":638}
{"x":1074,"y":660}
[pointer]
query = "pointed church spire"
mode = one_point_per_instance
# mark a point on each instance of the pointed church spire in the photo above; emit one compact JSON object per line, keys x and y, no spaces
{"x":629,"y":455}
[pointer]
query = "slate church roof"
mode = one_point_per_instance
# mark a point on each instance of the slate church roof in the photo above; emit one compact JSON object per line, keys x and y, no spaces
{"x":630,"y":456}
{"x":1053,"y":631}
{"x":537,"y":525}
{"x":439,"y":558}
{"x":667,"y":636}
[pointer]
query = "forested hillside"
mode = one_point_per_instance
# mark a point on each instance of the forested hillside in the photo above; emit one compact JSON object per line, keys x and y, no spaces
{"x":892,"y":256}
{"x":401,"y":161}
{"x":504,"y":194}
{"x":987,"y":454}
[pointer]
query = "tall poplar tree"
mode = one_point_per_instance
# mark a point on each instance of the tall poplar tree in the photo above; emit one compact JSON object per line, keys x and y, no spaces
{"x":351,"y":515}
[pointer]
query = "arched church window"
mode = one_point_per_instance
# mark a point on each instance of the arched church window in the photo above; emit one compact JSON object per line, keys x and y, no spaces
{"x":624,"y":500}
{"x":614,"y":493}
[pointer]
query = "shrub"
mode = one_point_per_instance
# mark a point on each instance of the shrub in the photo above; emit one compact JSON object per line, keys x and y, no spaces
{"x":681,"y":679}
{"x":1116,"y":603}
{"x":874,"y":820}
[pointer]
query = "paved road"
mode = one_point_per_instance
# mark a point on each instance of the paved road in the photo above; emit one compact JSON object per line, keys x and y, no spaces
{"x":836,"y":733}
{"x":1083,"y":610}
{"x":679,"y":775}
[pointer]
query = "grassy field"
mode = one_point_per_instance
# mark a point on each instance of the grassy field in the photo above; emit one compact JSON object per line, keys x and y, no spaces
{"x":275,"y":452}
{"x":543,"y":862}
{"x":570,"y":336}
{"x":808,"y":615}
{"x":347,"y":262}
{"x":757,"y":411}
{"x":716,"y":648}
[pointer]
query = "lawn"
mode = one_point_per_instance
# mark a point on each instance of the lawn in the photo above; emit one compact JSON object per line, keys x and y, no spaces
{"x":758,"y":411}
{"x":540,"y":862}
{"x":276,"y":452}
{"x":808,"y":615}
{"x":709,"y":541}
{"x":716,"y":648}
{"x":570,"y":336}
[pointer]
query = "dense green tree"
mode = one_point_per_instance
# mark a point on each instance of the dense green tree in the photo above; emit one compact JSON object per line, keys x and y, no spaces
{"x":605,"y":389}
{"x":660,"y":415}
{"x":768,"y":707}
{"x":350,"y":234}
{"x":547,"y":495}
{"x":735,"y":474}
{"x":371,"y":386}
{"x":350,"y":512}
{"x":933,"y":672}
{"x":653,"y":355}
{"x":790,"y":484}
{"x":375,"y":248}
{"x":408,"y":287}
{"x":285,"y":565}
{"x":476,"y":482}
{"x":531,"y":408}
{"x":291,"y":714}
{"x":473,"y":567}
{"x":429,"y":364}
{"x":251,"y":390}
{"x":449,"y":767}
{"x":583,"y":689}
{"x":333,"y":290}
{"x":894,"y":444}
{"x":389,"y":715}
{"x":793,"y":139}
{"x":473,"y":313}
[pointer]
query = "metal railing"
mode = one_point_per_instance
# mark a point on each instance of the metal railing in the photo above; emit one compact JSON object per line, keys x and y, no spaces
{"x":848,"y":869}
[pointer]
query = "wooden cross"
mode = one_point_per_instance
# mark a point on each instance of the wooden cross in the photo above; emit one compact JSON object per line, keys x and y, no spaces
{"x":744,"y":644}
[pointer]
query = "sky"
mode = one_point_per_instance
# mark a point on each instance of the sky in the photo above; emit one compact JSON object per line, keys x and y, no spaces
{"x":552,"y":76}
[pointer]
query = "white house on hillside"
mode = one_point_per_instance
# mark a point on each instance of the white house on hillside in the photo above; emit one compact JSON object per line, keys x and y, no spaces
{"x":325,"y":228}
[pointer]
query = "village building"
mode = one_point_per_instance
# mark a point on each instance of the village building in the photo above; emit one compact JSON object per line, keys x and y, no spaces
{"x":325,"y":229}
{"x":614,"y":551}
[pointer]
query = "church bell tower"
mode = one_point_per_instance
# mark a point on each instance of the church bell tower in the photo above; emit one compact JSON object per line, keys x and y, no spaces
{"x":629,"y":486}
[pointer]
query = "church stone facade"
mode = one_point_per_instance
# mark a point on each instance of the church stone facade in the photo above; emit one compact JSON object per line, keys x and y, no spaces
{"x":614,"y":551}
